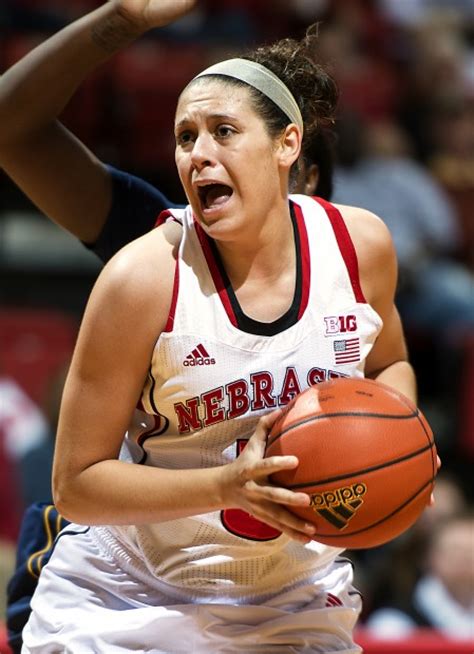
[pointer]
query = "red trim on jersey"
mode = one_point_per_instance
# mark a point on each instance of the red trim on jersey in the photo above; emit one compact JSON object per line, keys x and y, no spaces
{"x":174,"y":299}
{"x":163,"y":217}
{"x":215,"y":273}
{"x":161,"y":220}
{"x":346,"y":246}
{"x":305,"y":259}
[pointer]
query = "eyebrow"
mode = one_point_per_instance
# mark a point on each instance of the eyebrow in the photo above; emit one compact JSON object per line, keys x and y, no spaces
{"x":185,"y":121}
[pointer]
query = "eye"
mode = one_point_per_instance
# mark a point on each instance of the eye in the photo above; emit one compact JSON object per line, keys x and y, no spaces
{"x":224,"y":131}
{"x":184,"y":137}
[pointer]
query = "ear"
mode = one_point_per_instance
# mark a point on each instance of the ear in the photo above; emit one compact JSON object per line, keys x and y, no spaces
{"x":289,"y":146}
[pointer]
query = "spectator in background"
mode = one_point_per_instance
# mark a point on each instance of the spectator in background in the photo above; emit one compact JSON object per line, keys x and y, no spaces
{"x":443,"y":596}
{"x":21,"y":421}
{"x":388,"y":574}
{"x":215,"y":23}
{"x":437,"y":71}
{"x":375,"y":171}
{"x":452,"y":162}
{"x":22,"y":427}
{"x":368,"y":82}
{"x":35,"y":466}
{"x":410,"y":14}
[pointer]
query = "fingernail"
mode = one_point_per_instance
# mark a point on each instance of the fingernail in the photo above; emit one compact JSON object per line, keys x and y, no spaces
{"x":310,"y":529}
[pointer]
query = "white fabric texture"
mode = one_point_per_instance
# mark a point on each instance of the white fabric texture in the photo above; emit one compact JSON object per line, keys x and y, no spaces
{"x":96,"y":607}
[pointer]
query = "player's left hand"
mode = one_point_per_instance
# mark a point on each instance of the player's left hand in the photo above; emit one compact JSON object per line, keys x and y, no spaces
{"x":246,"y":485}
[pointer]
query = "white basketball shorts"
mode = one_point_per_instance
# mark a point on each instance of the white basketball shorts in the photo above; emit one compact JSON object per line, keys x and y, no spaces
{"x":86,"y":603}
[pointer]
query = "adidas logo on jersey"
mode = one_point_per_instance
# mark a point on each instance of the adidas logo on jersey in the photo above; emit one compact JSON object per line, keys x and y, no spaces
{"x":340,"y":505}
{"x":199,"y":357}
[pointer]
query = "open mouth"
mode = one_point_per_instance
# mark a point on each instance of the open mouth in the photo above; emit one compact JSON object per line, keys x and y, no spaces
{"x":213,"y":196}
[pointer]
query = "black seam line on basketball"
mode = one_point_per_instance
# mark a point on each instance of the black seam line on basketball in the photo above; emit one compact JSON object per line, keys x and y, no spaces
{"x":431,"y":441}
{"x":329,"y":480}
{"x":429,"y":438}
{"x":343,"y":414}
{"x":382,"y":520}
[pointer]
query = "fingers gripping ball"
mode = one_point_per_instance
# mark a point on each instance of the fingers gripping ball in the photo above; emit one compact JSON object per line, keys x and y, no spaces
{"x":366,"y":458}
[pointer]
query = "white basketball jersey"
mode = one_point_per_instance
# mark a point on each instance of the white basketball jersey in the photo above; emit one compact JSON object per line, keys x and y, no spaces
{"x":214,"y":373}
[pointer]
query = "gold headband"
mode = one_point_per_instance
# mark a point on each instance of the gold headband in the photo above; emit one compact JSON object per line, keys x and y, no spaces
{"x":261,"y":79}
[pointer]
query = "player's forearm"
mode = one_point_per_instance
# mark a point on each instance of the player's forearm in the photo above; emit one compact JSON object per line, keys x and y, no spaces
{"x":401,"y":376}
{"x":37,"y":88}
{"x":115,"y":492}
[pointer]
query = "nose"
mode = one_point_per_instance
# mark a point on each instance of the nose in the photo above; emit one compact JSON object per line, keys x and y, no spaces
{"x":202,"y":154}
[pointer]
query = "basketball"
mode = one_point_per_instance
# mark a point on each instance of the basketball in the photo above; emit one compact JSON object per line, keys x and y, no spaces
{"x":367,"y":459}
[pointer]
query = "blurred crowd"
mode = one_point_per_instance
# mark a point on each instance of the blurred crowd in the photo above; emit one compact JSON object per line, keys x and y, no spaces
{"x":404,"y":148}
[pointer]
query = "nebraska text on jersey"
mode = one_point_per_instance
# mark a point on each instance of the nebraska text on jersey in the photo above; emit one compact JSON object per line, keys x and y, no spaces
{"x":240,"y":396}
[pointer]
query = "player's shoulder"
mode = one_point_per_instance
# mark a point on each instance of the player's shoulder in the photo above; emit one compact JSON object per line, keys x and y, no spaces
{"x":144,"y":268}
{"x":376,"y":256}
{"x":364,"y":225}
{"x":155,"y":249}
{"x":369,"y":234}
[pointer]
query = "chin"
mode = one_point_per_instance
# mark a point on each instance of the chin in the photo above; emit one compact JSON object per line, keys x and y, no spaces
{"x":221,"y":229}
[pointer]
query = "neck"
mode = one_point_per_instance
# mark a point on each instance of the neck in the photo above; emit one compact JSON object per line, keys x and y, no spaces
{"x":261,"y":255}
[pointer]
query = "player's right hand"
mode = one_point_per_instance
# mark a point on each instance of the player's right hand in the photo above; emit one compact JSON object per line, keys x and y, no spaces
{"x":245,"y":485}
{"x":146,"y":14}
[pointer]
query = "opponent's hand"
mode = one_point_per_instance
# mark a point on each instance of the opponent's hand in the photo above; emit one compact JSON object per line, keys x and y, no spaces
{"x":146,"y":14}
{"x":246,"y":486}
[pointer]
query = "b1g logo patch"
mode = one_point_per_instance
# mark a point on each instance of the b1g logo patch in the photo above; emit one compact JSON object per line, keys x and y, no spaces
{"x":340,"y":505}
{"x":340,"y":324}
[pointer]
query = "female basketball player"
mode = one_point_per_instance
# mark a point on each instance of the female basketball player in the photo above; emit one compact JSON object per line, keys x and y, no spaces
{"x":192,"y":334}
{"x":109,"y":210}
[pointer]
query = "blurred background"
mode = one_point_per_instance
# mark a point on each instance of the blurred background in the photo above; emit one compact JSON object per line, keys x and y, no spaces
{"x":404,"y":149}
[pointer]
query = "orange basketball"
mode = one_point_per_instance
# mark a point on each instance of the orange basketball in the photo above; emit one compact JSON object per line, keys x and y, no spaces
{"x":366,"y":458}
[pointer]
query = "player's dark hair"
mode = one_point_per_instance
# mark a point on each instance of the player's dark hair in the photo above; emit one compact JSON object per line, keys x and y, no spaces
{"x":313,"y":88}
{"x":316,"y":93}
{"x":320,"y":151}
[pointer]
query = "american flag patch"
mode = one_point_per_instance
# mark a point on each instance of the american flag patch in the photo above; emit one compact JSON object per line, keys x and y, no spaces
{"x":346,"y":351}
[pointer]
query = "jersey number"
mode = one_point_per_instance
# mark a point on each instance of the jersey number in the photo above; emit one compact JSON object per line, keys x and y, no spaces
{"x":240,"y":523}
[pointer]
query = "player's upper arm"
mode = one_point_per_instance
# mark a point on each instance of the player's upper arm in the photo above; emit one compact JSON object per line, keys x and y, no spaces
{"x":378,"y":271}
{"x":125,"y":315}
{"x":62,"y":178}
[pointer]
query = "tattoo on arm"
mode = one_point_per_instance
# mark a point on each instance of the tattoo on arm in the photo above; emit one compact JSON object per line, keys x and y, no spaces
{"x":113,"y":33}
